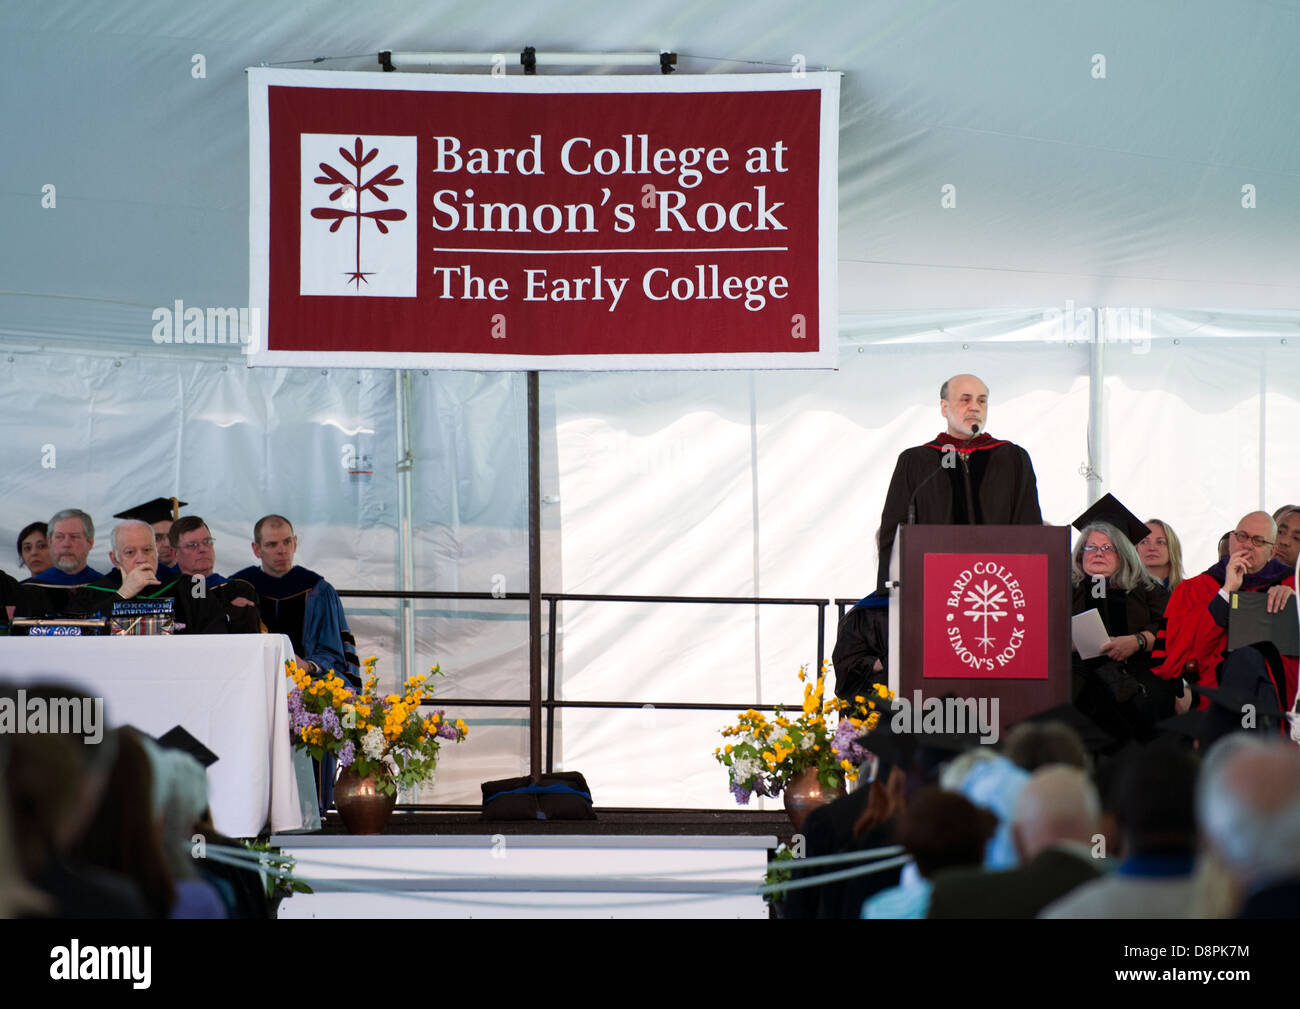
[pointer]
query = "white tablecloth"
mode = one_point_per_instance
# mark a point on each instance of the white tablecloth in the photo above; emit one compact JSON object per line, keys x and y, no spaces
{"x":228,"y":690}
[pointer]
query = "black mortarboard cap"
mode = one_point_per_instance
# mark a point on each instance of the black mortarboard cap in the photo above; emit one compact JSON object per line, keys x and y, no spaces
{"x":177,"y":738}
{"x":157,"y":510}
{"x":1094,"y":738}
{"x":1111,"y":509}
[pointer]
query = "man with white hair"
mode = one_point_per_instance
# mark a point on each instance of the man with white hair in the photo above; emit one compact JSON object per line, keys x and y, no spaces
{"x":135,"y":576}
{"x":1054,"y":825}
{"x":1248,"y":809}
{"x":962,"y":476}
{"x":71,"y":538}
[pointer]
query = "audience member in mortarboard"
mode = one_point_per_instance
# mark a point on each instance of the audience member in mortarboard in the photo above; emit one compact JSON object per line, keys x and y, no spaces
{"x":1117,"y":689}
{"x":1156,"y":812}
{"x":1162,"y":554}
{"x":300,"y":603}
{"x":940,"y":830}
{"x":135,"y":569}
{"x":1053,"y":824}
{"x":34,"y":548}
{"x":861,"y":653}
{"x":1287,"y":547}
{"x":1196,"y":619}
{"x":1248,"y":809}
{"x":71,"y":538}
{"x":961,"y":476}
{"x":180,"y":800}
{"x":195,"y":559}
{"x":159,"y":513}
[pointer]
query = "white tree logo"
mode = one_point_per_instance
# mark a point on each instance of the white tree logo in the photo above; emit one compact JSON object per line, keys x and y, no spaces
{"x":987,"y":601}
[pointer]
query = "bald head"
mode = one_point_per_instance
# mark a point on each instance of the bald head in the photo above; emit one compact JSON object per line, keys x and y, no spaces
{"x":1248,"y":808}
{"x":1057,"y":804}
{"x":963,"y":401}
{"x":1254,"y":539}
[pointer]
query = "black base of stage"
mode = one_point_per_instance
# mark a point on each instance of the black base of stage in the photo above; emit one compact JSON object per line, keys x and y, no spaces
{"x":624,"y":822}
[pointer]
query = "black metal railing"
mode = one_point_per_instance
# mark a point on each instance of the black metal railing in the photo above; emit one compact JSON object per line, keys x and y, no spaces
{"x":548,"y":702}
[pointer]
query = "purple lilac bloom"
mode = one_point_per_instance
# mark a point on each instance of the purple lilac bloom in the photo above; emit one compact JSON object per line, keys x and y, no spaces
{"x":741,"y":793}
{"x":329,"y":721}
{"x":346,"y":754}
{"x":448,"y":731}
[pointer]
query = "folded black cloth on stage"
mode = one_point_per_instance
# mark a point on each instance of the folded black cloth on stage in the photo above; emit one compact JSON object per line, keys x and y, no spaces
{"x":563,"y":795}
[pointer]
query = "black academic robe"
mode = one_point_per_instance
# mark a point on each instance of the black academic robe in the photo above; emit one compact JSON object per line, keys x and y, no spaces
{"x":204,"y":615}
{"x":19,"y":599}
{"x":1003,"y":487}
{"x":863,"y":638}
{"x":59,"y":587}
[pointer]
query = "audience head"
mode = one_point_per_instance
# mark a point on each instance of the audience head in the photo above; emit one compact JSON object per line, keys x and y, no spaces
{"x":1057,"y":804}
{"x":1031,"y":745}
{"x":274,"y":544}
{"x":944,"y":830}
{"x":133,"y":546}
{"x":1254,"y":539}
{"x":71,"y":536}
{"x":963,"y":401}
{"x":1248,"y":808}
{"x":34,"y":548}
{"x":124,"y":836}
{"x":180,"y":800}
{"x":55,"y":779}
{"x":1287,"y":547}
{"x":162,"y":540}
{"x":1155,"y":800}
{"x":1162,"y":554}
{"x":193,"y":543}
{"x":1102,"y":551}
{"x":1224,"y":546}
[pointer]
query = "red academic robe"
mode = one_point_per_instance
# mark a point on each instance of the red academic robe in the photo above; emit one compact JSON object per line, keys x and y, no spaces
{"x":1192,"y":633}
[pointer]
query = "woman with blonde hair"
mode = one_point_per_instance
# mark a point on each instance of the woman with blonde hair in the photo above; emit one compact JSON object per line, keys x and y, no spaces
{"x":1162,"y":554}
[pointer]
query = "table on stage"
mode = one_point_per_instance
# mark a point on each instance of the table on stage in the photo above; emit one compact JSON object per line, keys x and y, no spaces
{"x":227,"y":690}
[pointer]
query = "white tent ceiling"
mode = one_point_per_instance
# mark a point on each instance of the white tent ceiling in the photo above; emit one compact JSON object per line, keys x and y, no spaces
{"x":1122,"y":190}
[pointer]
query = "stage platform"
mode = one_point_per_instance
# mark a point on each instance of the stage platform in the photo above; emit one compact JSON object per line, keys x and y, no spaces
{"x":624,"y":864}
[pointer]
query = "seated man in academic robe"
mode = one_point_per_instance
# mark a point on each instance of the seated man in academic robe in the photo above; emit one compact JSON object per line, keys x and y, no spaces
{"x":18,"y":599}
{"x":300,"y":603}
{"x":135,"y":566}
{"x":1196,"y":618}
{"x":193,"y":548}
{"x":71,"y":538}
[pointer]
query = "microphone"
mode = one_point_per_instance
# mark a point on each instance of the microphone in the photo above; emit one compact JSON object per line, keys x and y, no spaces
{"x":911,"y":502}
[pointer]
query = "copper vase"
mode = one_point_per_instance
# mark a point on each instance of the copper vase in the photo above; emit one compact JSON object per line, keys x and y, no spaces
{"x":364,"y":806}
{"x":803,"y":794}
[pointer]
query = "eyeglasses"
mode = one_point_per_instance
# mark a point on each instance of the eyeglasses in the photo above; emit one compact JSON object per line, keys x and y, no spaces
{"x":1103,"y":550}
{"x":1259,"y":541}
{"x":193,"y":545}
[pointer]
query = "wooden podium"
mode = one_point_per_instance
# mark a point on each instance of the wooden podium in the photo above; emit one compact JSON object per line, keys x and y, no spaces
{"x":982,"y":612}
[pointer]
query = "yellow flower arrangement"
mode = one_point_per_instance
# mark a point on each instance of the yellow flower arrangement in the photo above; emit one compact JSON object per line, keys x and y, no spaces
{"x":766,"y":755}
{"x":386,"y":734}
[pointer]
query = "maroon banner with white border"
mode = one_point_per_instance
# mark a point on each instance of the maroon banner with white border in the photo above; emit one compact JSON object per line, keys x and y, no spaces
{"x":519,"y":223}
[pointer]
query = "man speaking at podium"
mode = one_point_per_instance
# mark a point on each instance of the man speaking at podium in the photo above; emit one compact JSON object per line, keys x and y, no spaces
{"x":962,"y":477}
